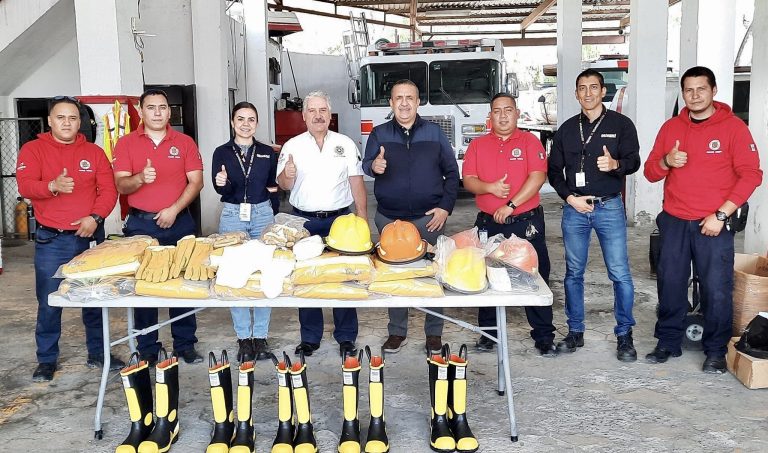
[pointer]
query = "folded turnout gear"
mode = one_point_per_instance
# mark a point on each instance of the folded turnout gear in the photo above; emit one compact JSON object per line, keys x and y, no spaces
{"x":332,"y":268}
{"x":176,"y":288}
{"x":120,"y":256}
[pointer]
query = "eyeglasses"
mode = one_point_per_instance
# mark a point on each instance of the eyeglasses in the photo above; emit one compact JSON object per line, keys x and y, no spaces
{"x":57,"y":99}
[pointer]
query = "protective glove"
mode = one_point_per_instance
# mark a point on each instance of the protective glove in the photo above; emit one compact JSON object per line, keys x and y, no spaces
{"x":184,"y":248}
{"x":197,"y":268}
{"x":158,"y":268}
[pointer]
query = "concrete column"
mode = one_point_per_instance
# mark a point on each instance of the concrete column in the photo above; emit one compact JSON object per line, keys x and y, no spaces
{"x":257,"y":65}
{"x":707,"y":38}
{"x":568,"y":57}
{"x":209,"y":38}
{"x":647,"y":80}
{"x":108,"y":62}
{"x":756,"y":239}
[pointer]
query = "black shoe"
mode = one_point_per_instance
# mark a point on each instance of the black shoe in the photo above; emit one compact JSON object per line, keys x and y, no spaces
{"x":625,"y":348}
{"x":546,"y":349}
{"x":261,"y":349}
{"x":245,"y":351}
{"x":189,"y":355}
{"x":571,"y":341}
{"x":306,"y":348}
{"x":714,"y":365}
{"x":661,"y":355}
{"x":150,"y":358}
{"x":347,"y":349}
{"x":97,"y":361}
{"x":44,"y":372}
{"x":485,"y":344}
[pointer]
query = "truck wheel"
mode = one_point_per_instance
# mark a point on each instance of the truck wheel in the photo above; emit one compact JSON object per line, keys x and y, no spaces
{"x":694,"y":330}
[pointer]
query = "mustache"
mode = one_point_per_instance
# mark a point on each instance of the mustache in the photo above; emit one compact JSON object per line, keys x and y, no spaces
{"x":318,"y":120}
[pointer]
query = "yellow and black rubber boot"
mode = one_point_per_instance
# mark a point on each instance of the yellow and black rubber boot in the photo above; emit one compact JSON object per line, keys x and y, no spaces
{"x":349,"y":440}
{"x":138,"y":393}
{"x":286,"y":425}
{"x":245,"y":436}
{"x":441,"y":439}
{"x":304,"y":441}
{"x":377,"y":441}
{"x":166,"y":431}
{"x":220,"y":378}
{"x":466,"y":442}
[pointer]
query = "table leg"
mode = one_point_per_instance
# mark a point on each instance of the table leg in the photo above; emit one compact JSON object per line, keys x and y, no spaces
{"x":499,"y":353}
{"x":501,"y":317}
{"x":98,"y":432}
{"x":130,"y":322}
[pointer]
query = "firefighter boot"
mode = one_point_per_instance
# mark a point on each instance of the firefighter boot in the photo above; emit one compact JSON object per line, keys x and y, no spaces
{"x":166,"y":431}
{"x":457,"y":402}
{"x":220,"y":378}
{"x":138,"y":393}
{"x":245,"y":436}
{"x":349,"y":441}
{"x":304,"y":441}
{"x":440,"y":439}
{"x":286,"y":427}
{"x":377,"y":441}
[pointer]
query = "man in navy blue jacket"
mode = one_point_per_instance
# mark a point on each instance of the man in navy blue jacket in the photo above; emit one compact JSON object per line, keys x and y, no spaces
{"x":416,"y":179}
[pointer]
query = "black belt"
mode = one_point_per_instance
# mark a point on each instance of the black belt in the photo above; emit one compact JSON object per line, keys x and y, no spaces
{"x":142,"y":214}
{"x":538,"y":210}
{"x":56,"y":230}
{"x":321,"y":214}
{"x":602,"y":199}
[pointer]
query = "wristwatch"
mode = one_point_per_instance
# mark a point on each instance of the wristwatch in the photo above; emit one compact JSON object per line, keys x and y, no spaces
{"x":99,"y":219}
{"x":511,"y":205}
{"x":721,"y":216}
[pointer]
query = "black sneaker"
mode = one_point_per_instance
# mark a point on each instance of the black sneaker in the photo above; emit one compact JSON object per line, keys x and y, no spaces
{"x":625,"y":348}
{"x":245,"y":350}
{"x":261,"y":349}
{"x":661,"y":355}
{"x":97,"y":361}
{"x":571,"y":341}
{"x":306,"y":348}
{"x":44,"y":372}
{"x":714,"y":365}
{"x":485,"y":344}
{"x":150,"y":358}
{"x":189,"y":355}
{"x":347,"y":349}
{"x":546,"y":349}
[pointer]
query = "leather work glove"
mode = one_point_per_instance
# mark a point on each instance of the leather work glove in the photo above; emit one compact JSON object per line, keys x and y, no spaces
{"x":159,"y":265}
{"x":184,"y":248}
{"x":197,"y":268}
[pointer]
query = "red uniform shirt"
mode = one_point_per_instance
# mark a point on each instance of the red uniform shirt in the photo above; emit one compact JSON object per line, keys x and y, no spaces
{"x":489,"y":158}
{"x":176,"y":155}
{"x":43,"y":160}
{"x":723,"y":163}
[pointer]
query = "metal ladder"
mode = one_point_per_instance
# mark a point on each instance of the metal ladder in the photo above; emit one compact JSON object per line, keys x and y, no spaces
{"x":356,"y":42}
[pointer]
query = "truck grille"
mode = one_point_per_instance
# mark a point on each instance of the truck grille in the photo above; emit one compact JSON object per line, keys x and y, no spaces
{"x":446,"y":123}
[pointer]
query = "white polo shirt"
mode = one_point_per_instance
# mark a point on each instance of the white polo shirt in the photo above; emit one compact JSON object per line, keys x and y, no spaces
{"x":322,"y":175}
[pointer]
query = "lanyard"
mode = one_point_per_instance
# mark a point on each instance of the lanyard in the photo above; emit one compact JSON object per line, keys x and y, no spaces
{"x":584,"y":143}
{"x":245,"y":166}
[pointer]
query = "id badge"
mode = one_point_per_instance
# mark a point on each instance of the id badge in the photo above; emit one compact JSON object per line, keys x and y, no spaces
{"x":245,"y":212}
{"x":581,"y":179}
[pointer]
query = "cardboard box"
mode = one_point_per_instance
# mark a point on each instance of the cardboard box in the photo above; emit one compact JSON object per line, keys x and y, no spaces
{"x":750,"y":289}
{"x":752,"y":372}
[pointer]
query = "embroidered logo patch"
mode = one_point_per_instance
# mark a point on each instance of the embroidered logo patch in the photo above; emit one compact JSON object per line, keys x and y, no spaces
{"x":517,"y":154}
{"x":22,"y":166}
{"x":541,"y":155}
{"x":607,"y":135}
{"x":339,"y":150}
{"x":714,"y":147}
{"x":174,"y":151}
{"x":752,"y":147}
{"x":85,"y":165}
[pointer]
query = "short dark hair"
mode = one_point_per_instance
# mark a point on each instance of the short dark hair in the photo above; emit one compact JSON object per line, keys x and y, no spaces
{"x":699,"y":71}
{"x":404,"y":82}
{"x":590,"y":73}
{"x":152,"y":92}
{"x":503,"y":95}
{"x":244,"y":105}
{"x":54,"y":101}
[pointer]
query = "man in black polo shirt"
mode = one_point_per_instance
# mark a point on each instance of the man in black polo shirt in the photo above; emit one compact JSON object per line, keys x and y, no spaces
{"x":591,"y":154}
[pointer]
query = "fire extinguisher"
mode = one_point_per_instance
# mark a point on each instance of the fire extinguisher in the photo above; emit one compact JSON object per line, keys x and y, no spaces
{"x":20,"y":217}
{"x":31,"y":222}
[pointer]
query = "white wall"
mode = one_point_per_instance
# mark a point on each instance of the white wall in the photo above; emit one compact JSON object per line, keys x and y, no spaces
{"x":168,"y":57}
{"x":58,"y":75}
{"x":16,"y":16}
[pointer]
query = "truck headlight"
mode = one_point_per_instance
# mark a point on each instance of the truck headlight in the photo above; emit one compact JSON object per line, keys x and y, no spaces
{"x":472,"y":128}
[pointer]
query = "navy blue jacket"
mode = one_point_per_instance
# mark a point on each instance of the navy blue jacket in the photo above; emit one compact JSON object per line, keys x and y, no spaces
{"x":421,"y":173}
{"x":262,"y":173}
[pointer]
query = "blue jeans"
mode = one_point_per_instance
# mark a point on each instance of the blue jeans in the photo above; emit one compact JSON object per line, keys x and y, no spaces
{"x":681,"y":244}
{"x":183,"y":330}
{"x":248,"y":322}
{"x":51,"y":251}
{"x":609,"y":223}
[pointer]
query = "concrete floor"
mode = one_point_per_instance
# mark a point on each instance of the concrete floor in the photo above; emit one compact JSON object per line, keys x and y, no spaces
{"x":586,"y":401}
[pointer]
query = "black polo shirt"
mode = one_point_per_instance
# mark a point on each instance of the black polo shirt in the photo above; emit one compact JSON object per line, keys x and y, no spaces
{"x":263,"y":162}
{"x":615,"y":131}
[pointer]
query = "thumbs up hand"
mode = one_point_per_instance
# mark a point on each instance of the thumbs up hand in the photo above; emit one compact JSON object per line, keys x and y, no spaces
{"x":676,"y":158}
{"x":290,"y":168}
{"x":379,"y":164}
{"x":221,"y":177}
{"x":63,"y":183}
{"x":148,"y":175}
{"x":499,"y":188}
{"x":605,"y":162}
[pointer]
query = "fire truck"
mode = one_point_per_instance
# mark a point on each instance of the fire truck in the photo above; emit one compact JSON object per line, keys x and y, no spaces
{"x":456,"y":81}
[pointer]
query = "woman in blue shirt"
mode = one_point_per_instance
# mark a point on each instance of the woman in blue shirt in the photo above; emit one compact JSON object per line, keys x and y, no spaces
{"x":245,"y":173}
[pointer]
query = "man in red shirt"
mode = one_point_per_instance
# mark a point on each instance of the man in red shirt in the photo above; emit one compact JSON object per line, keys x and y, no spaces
{"x":70,"y":184}
{"x":505,"y":170}
{"x":710,"y":166}
{"x":161,"y":171}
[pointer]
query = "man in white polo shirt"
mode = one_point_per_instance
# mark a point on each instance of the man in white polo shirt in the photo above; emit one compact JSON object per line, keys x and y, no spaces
{"x":322,"y":169}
